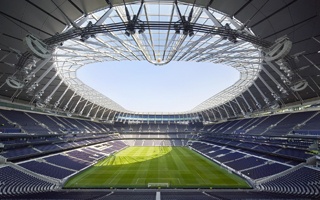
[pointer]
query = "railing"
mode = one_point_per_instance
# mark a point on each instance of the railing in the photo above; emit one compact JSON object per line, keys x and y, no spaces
{"x":307,"y":132}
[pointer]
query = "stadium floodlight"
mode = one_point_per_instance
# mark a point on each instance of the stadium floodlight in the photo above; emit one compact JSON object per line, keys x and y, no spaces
{"x":84,"y":38}
{"x":141,"y":30}
{"x":177,"y":27}
{"x":134,"y":22}
{"x":127,"y":33}
{"x":191,"y":33}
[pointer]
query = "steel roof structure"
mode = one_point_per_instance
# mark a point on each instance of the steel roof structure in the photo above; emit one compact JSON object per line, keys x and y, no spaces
{"x":273,"y":44}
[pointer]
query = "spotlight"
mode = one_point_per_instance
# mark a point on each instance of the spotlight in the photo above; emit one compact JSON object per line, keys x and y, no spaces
{"x":84,"y":38}
{"x":127,"y":33}
{"x":191,"y":33}
{"x":232,"y":39}
{"x":141,"y":31}
{"x":132,"y":32}
{"x":177,"y":29}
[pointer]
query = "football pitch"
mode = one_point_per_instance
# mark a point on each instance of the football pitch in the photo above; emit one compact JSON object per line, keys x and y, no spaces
{"x":143,"y":167}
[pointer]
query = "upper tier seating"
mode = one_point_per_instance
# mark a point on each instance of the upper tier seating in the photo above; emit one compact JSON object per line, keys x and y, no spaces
{"x":262,"y":127}
{"x":283,"y":124}
{"x":289,"y":152}
{"x":251,"y":124}
{"x":286,"y":125}
{"x":6,"y":127}
{"x":26,"y":122}
{"x":52,"y":125}
{"x":311,"y":127}
{"x":34,"y":149}
{"x":21,"y":152}
{"x":34,"y":123}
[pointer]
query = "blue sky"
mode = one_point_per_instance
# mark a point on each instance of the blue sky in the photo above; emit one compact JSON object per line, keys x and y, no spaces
{"x":143,"y":87}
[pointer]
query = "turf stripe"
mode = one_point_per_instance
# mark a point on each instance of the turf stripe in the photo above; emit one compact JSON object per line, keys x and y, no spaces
{"x":138,"y":166}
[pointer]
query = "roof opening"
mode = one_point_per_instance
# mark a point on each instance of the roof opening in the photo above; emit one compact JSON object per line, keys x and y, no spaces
{"x":142,"y":87}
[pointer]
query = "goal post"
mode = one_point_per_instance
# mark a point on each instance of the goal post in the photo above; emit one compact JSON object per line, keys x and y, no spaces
{"x":157,"y":185}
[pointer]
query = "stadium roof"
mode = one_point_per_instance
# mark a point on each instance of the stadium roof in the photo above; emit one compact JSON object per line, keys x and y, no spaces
{"x":274,"y":45}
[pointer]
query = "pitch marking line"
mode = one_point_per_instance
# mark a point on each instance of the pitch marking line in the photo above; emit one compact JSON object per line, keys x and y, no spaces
{"x":112,"y":178}
{"x":138,"y":179}
{"x":201,"y":177}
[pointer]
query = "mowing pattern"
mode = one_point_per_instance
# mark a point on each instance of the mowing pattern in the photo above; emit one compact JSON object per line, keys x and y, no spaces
{"x":138,"y":167}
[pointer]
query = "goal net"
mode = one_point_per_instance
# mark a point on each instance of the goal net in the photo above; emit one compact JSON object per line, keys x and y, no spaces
{"x":150,"y":185}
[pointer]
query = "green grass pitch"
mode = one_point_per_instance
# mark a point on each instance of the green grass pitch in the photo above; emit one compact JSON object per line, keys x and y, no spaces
{"x":136,"y":167}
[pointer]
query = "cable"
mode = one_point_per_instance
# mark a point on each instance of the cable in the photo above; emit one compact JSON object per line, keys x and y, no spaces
{"x":244,"y":24}
{"x":3,"y":14}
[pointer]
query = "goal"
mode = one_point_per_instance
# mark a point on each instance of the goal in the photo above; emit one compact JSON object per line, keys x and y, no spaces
{"x":157,"y":185}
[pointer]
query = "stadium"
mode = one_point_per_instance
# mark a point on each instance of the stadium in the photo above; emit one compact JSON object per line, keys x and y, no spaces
{"x":257,"y":139}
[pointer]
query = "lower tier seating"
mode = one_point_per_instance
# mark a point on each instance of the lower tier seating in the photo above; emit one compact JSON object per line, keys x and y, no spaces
{"x":47,"y":169}
{"x":265,"y":170}
{"x":65,"y":164}
{"x":303,"y":181}
{"x":13,"y":181}
{"x":252,"y":166}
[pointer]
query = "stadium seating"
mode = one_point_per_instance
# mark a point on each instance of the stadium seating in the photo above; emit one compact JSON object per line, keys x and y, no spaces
{"x":303,"y":181}
{"x":151,"y":195}
{"x":47,"y":169}
{"x":81,"y":155}
{"x":245,"y":163}
{"x":266,"y":123}
{"x":251,"y":194}
{"x":265,"y":170}
{"x":255,"y":145}
{"x":26,"y":122}
{"x":229,"y":157}
{"x":249,"y":165}
{"x":52,"y":125}
{"x":14,"y":181}
{"x":67,"y":162}
{"x":18,"y":153}
{"x":184,"y":196}
{"x":6,"y":127}
{"x":65,"y":194}
{"x":311,"y":127}
{"x":302,"y":123}
{"x":47,"y":147}
{"x":34,"y":147}
{"x":245,"y":146}
{"x":289,"y":123}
